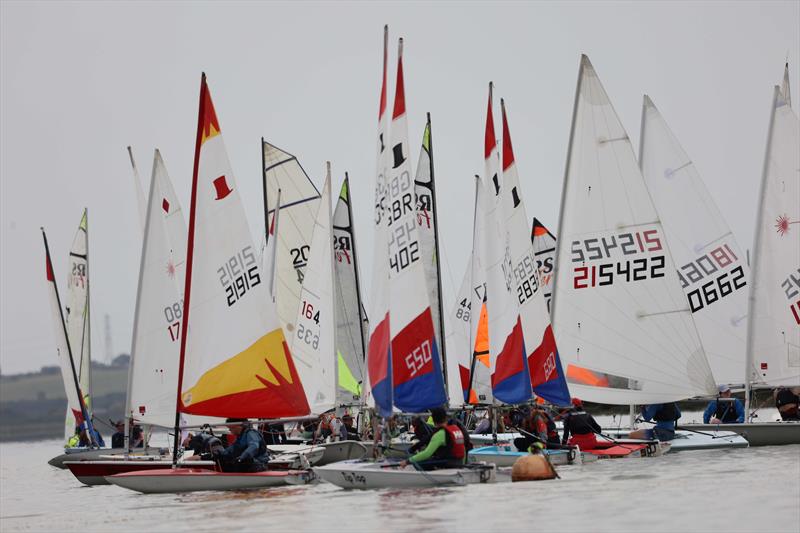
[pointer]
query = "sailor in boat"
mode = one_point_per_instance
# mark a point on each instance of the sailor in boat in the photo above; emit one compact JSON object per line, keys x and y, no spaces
{"x":787,"y":402}
{"x":118,"y":438}
{"x":81,"y":438}
{"x":248,"y":453}
{"x":725,"y":409}
{"x":447,"y":447}
{"x":539,"y":428}
{"x":347,"y":431}
{"x":665,"y":416}
{"x":581,"y":425}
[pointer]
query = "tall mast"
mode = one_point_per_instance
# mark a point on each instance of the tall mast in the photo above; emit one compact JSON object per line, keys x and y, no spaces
{"x":86,"y":342}
{"x":76,"y":382}
{"x":560,"y":233}
{"x":436,"y":248}
{"x":355,"y":268}
{"x":189,"y":257}
{"x":756,"y":263}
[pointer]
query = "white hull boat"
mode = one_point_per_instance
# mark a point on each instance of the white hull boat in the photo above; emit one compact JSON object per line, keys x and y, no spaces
{"x":506,"y":455}
{"x":172,"y":480}
{"x":388,"y":474}
{"x":325,"y":453}
{"x":710,"y":439}
{"x":758,"y":433}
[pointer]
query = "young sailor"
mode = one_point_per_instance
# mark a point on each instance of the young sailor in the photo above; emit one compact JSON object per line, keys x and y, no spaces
{"x":446,"y":448}
{"x":666,"y":417}
{"x":347,"y":431}
{"x":787,"y":401}
{"x":248,"y":453}
{"x":724,"y":410}
{"x":581,"y":425}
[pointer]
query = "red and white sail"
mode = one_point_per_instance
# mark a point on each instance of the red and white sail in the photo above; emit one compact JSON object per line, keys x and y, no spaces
{"x":508,"y":356}
{"x":379,"y":367}
{"x":312,"y":342}
{"x":417,"y":372}
{"x":235,"y":360}
{"x":773,"y":348}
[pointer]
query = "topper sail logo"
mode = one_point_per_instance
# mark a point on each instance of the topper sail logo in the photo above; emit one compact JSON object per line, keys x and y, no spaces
{"x":221,"y":187}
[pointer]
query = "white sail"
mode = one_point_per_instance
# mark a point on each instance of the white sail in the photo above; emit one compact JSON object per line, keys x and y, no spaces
{"x":77,"y":313}
{"x":299,"y":204}
{"x":622,"y":322}
{"x":350,"y":341}
{"x":712,"y":267}
{"x":313,"y":340}
{"x":235,"y":359}
{"x":155,"y":349}
{"x":774,"y":313}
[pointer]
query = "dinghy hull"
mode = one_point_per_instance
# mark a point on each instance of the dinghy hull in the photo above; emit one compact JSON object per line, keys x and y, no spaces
{"x":692,"y":440}
{"x":83,"y":454}
{"x":505,"y":455}
{"x":95,"y":472}
{"x":758,"y":433}
{"x":168,"y":480}
{"x":384,"y":474}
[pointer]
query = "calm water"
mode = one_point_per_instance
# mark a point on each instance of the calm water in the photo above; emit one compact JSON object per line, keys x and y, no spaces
{"x":735,"y":490}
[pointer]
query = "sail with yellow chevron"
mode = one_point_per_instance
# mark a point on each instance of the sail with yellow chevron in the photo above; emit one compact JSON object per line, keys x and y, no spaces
{"x":235,"y":361}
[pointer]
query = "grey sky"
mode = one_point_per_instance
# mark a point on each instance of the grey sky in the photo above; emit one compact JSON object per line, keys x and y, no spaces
{"x":80,"y":81}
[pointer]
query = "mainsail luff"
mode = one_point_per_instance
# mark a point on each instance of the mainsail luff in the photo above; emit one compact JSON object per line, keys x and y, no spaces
{"x":68,"y":373}
{"x":712,"y":271}
{"x":639,"y":341}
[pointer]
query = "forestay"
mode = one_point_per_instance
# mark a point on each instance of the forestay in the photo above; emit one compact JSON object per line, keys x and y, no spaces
{"x":235,"y":361}
{"x":711,"y":266}
{"x":774,"y":313}
{"x":299,"y":204}
{"x":350,"y":343}
{"x":417,"y":373}
{"x":313,"y":340}
{"x":621,"y":319}
{"x":155,"y":349}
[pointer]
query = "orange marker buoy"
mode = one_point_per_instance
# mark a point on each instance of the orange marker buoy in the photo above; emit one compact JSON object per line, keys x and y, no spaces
{"x":532,"y":468}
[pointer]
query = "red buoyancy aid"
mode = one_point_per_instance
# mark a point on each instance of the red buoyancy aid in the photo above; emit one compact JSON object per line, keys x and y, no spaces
{"x":455,"y":442}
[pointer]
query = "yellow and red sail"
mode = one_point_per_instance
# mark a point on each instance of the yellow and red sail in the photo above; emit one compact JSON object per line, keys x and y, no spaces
{"x":235,"y":361}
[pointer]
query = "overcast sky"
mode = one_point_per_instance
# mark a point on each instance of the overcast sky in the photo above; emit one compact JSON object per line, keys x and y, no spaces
{"x":81,"y":81}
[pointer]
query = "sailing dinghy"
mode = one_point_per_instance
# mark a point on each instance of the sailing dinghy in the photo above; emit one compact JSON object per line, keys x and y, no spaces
{"x":234,"y":359}
{"x":405,"y":369}
{"x":773,"y":329}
